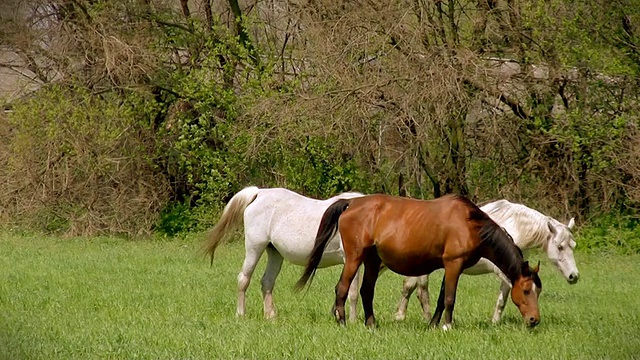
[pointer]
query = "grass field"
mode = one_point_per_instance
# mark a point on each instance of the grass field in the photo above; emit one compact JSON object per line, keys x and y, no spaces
{"x":117,"y":299}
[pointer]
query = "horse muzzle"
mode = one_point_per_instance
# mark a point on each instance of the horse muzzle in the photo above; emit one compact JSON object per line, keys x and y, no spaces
{"x":573,"y":278}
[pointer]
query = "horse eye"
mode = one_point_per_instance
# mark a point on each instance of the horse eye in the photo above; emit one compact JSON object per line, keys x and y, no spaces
{"x":560,"y":247}
{"x":527,"y":292}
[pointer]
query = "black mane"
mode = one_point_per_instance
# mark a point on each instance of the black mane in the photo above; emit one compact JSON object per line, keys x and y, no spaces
{"x":500,"y":242}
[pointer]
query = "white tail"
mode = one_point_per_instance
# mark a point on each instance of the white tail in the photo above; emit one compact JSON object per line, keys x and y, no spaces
{"x":232,"y":216}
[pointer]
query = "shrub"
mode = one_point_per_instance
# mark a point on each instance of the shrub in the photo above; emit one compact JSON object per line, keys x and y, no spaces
{"x":78,"y":163}
{"x":611,"y":233}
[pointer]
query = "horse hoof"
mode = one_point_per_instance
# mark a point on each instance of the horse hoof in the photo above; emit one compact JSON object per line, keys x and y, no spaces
{"x":270,"y":316}
{"x":339,"y":318}
{"x":399,"y":317}
{"x":447,"y":327}
{"x":370,"y":324}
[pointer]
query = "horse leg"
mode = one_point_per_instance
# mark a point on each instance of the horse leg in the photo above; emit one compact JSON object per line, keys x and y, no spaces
{"x":423,"y":295}
{"x":408,"y":286}
{"x":505,"y":288}
{"x":371,"y":270}
{"x":342,"y":288}
{"x":251,"y":259}
{"x":353,"y":297}
{"x":437,"y":315}
{"x":452,"y":273}
{"x":274,"y":264}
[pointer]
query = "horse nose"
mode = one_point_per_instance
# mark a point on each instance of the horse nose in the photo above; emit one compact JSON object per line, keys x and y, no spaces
{"x":573,"y":278}
{"x":533,"y":321}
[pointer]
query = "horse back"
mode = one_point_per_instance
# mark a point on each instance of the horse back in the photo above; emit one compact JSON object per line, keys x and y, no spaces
{"x":409,"y":231}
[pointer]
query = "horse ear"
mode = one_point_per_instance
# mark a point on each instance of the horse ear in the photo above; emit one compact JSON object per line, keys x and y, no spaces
{"x":572,"y":223}
{"x":551,"y":228}
{"x":537,"y":268}
{"x":526,"y":270}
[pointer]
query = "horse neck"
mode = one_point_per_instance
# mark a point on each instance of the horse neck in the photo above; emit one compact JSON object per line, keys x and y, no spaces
{"x":512,"y":269}
{"x":504,"y":254}
{"x":527,"y":227}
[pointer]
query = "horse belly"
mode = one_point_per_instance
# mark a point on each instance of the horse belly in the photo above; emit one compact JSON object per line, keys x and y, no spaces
{"x":411,"y":265}
{"x":297,"y":252}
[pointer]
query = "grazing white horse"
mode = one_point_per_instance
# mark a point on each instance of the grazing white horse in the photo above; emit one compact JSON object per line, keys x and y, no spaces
{"x":529,"y":229}
{"x":284,"y":224}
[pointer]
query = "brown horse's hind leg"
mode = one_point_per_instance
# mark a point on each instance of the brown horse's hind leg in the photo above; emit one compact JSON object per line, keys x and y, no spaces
{"x":342,"y":288}
{"x":371,"y":270}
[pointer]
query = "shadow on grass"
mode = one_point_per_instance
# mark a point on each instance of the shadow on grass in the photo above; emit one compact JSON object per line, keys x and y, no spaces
{"x":15,"y":344}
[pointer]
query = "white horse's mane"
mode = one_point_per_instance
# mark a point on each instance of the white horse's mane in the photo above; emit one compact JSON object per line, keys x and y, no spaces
{"x":529,"y":226}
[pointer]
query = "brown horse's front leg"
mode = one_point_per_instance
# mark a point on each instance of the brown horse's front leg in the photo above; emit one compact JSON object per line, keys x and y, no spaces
{"x":452,"y":273}
{"x":342,"y":289}
{"x":371,"y":270}
{"x":437,"y":314}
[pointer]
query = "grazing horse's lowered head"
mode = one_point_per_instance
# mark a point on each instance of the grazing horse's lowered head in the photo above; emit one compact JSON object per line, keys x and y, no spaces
{"x":524,"y":294}
{"x":525,"y":282}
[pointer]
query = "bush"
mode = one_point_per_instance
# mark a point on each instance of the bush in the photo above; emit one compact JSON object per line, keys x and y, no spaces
{"x":78,"y":163}
{"x":611,"y":233}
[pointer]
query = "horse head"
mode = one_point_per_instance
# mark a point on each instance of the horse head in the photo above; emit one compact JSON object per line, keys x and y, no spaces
{"x":525,"y":292}
{"x":560,"y":249}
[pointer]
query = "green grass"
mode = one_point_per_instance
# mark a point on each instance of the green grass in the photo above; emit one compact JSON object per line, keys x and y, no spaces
{"x":109,"y":298}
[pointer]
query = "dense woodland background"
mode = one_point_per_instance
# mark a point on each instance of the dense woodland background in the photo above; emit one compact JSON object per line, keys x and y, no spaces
{"x":150,"y":114}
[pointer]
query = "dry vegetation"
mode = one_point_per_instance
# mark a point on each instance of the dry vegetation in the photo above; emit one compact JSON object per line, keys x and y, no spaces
{"x":151,"y":103}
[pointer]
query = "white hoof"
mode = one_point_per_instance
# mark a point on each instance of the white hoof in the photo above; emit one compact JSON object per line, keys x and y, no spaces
{"x":399,"y":316}
{"x":271,"y":315}
{"x":447,"y":327}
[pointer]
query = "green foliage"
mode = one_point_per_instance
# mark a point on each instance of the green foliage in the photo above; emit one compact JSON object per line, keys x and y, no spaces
{"x":315,"y":167}
{"x":587,"y":35}
{"x":320,"y":107}
{"x":612,"y":233}
{"x":79,"y":163}
{"x":176,"y":218}
{"x":201,"y":148}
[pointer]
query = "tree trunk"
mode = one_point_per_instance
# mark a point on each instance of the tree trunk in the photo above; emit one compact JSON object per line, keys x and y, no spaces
{"x":243,"y":35}
{"x":456,"y":169}
{"x":480,"y":26}
{"x":185,"y":8}
{"x":208,"y":14}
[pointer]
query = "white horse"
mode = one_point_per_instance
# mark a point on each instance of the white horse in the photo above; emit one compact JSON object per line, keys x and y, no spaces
{"x":529,"y":229}
{"x":284,"y":224}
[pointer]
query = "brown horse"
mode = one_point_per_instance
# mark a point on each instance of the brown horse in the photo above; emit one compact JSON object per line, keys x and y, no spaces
{"x":415,"y":237}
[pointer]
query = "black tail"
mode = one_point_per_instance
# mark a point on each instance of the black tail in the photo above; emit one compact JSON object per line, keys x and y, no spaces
{"x":328,"y":228}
